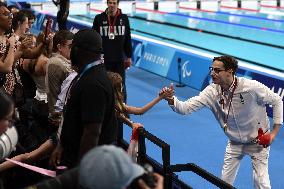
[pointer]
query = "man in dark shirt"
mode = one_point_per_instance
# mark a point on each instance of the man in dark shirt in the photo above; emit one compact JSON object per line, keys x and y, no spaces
{"x":63,"y":12}
{"x":89,"y":117}
{"x":114,"y":28}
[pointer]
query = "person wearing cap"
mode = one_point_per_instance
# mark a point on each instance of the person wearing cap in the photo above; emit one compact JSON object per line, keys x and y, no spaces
{"x":89,"y":117}
{"x":103,"y":167}
{"x":108,"y":166}
{"x":114,"y":28}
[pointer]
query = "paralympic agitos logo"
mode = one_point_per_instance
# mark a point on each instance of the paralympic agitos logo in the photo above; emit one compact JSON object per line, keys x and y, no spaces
{"x":186,"y":72}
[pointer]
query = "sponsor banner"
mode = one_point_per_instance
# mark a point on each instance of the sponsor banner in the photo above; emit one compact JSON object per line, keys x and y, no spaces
{"x":137,"y":51}
{"x":190,"y":69}
{"x":176,"y":65}
{"x":154,"y":58}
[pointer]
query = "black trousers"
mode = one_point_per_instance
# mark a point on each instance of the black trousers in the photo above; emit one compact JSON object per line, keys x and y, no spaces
{"x":61,"y":20}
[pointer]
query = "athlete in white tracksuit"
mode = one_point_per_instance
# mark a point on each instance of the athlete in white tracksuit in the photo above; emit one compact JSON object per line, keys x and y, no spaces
{"x":239,"y":106}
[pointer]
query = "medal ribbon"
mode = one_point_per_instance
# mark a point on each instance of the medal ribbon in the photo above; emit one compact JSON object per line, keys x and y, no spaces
{"x":111,"y":24}
{"x":230,"y":101}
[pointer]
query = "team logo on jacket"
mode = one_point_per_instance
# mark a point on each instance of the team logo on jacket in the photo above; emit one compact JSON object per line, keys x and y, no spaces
{"x":117,"y":30}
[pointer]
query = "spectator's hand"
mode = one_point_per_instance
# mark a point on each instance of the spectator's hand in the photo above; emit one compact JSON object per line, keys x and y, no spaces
{"x":40,"y":38}
{"x":159,"y":182}
{"x":50,"y":43}
{"x":55,"y":157}
{"x":127,"y":63}
{"x":26,"y":42}
{"x":12,"y":41}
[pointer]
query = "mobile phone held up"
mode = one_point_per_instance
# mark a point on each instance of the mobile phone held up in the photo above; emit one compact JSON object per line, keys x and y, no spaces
{"x":47,"y":28}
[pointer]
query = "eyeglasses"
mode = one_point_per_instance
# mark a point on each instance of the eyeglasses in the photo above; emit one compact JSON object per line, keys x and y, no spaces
{"x":8,"y":14}
{"x":215,"y":70}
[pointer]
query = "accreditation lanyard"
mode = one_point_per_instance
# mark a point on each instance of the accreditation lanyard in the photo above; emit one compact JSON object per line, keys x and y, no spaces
{"x":75,"y":81}
{"x":230,"y":104}
{"x":111,"y":24}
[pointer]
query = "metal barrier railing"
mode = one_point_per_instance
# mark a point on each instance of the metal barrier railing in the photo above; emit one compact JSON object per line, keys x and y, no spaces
{"x":201,"y":172}
{"x":168,"y":170}
{"x":142,"y":156}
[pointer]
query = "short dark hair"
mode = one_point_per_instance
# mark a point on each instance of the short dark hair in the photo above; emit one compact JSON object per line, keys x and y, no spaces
{"x":229,"y":62}
{"x":61,"y":37}
{"x":29,"y":14}
{"x":116,"y":1}
{"x":18,"y":17}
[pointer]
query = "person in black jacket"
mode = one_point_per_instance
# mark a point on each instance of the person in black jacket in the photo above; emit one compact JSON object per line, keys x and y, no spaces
{"x":114,"y":28}
{"x":63,"y":12}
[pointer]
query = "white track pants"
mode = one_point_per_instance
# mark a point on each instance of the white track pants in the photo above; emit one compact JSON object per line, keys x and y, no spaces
{"x":259,"y":158}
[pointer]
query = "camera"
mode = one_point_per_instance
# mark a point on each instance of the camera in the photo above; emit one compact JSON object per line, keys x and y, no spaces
{"x":8,"y":141}
{"x":147,"y":177}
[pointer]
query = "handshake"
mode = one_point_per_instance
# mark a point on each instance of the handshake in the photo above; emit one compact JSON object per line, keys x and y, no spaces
{"x":167,"y":92}
{"x":263,"y":139}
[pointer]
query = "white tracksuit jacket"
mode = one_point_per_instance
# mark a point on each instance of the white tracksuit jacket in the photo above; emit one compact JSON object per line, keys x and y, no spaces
{"x":248,"y":110}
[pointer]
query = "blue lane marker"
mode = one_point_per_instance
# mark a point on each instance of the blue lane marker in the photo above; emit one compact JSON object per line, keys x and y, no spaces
{"x":224,"y":22}
{"x":248,"y":16}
